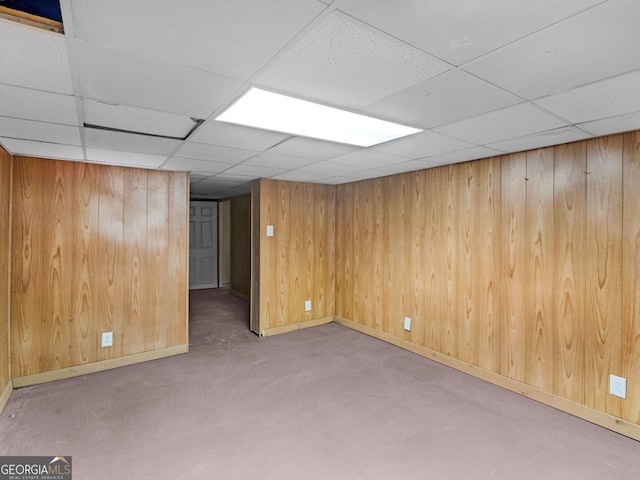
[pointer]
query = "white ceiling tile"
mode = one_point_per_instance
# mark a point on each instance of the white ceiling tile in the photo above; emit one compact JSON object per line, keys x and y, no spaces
{"x":34,"y":58}
{"x":410,"y":166}
{"x":368,"y":159}
{"x":298,"y":176}
{"x":127,"y":159}
{"x":342,"y":63}
{"x":446,"y":98}
{"x":330,"y":169}
{"x":116,"y":77}
{"x":37,"y":105}
{"x":596,"y":44}
{"x":42,"y":149}
{"x":615,"y":96}
{"x":214,"y":153}
{"x":337,"y":180}
{"x":195,"y":176}
{"x":607,"y":126}
{"x":364,"y":175}
{"x":41,"y":131}
{"x":236,"y":136}
{"x":107,"y":140}
{"x":254,"y":171}
{"x":311,"y":148}
{"x":191,"y":164}
{"x":474,"y":153}
{"x":223,"y":32}
{"x":458,"y":31}
{"x":511,"y":122}
{"x":124,"y":117}
{"x":268,"y":159}
{"x":421,"y":145}
{"x":544,"y":139}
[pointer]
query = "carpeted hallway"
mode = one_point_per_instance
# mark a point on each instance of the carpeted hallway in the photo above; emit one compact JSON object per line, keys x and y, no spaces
{"x":322,"y":403}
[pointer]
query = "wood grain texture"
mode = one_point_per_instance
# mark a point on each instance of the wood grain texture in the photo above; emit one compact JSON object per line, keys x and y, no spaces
{"x":435,"y":304}
{"x":6,"y":163}
{"x":240,"y":244}
{"x":57,"y":310}
{"x":344,"y":250}
{"x":538,"y":269}
{"x":525,"y":266}
{"x":362,"y":266}
{"x":631,"y":277}
{"x":512,"y":212}
{"x":158,"y":195}
{"x":110,"y":261}
{"x":135,"y":246}
{"x":396,"y":240}
{"x":604,"y":271}
{"x":486,"y":255}
{"x":85,"y":253}
{"x":448,"y":249}
{"x":569,"y":220}
{"x":102,"y":248}
{"x":26,"y":269}
{"x":298,"y":262}
{"x":176,"y":321}
{"x":416,"y":255}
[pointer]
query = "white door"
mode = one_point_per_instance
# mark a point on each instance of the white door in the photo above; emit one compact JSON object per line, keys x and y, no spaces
{"x":203,"y":245}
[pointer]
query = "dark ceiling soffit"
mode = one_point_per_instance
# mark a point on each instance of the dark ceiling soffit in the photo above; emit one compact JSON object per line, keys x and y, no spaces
{"x":198,"y":122}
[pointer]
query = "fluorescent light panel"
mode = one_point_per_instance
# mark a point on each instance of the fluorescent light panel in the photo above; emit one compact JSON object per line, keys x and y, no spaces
{"x":271,"y":111}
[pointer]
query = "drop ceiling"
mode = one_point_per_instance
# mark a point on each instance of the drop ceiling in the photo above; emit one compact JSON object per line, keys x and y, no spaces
{"x":480,"y":77}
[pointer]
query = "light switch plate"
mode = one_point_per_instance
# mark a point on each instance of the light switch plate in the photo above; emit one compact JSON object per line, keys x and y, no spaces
{"x":618,"y":386}
{"x":107,"y":339}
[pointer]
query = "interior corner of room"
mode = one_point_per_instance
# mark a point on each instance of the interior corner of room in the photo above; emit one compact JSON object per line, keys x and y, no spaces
{"x":497,"y":261}
{"x":497,"y":235}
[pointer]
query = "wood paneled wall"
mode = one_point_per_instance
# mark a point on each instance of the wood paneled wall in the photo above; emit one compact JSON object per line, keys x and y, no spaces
{"x":241,"y":245}
{"x":6,"y":161}
{"x":298,"y":262}
{"x":95,"y":249}
{"x":525,"y":265}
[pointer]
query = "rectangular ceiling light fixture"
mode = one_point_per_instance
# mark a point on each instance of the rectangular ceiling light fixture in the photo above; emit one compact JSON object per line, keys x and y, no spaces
{"x":271,"y":111}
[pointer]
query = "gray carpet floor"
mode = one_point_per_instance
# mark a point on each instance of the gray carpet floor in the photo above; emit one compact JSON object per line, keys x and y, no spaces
{"x":321,"y":403}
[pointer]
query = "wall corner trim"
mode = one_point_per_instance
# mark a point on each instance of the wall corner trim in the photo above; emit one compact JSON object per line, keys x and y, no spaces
{"x":79,"y":370}
{"x":5,"y":394}
{"x":596,"y":417}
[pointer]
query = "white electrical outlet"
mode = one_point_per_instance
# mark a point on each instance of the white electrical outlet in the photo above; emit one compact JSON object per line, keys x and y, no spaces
{"x":307,"y":305}
{"x":107,"y":339}
{"x":269,"y":230}
{"x":618,"y":386}
{"x":407,"y":324}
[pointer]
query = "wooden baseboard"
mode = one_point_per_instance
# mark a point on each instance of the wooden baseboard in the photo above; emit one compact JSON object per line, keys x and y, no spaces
{"x":597,"y":417}
{"x":98,"y":366}
{"x":268,"y":332}
{"x":5,"y":394}
{"x":235,"y":293}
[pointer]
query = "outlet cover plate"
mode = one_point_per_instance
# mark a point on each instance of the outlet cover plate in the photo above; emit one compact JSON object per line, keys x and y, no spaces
{"x":407,"y":324}
{"x":107,"y":339}
{"x":618,"y":386}
{"x":307,"y":305}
